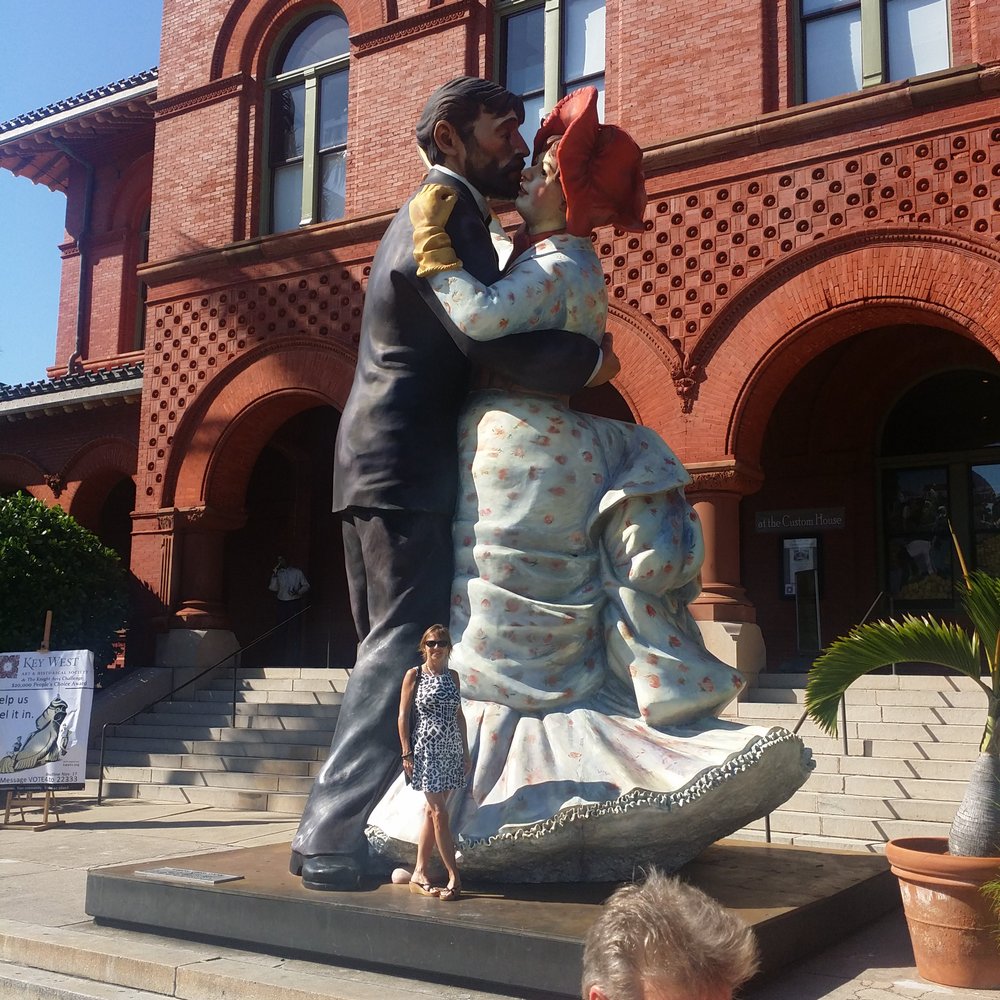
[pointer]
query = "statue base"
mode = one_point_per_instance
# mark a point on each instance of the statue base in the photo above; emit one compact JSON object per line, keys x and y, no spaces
{"x":740,"y":644}
{"x":498,"y":937}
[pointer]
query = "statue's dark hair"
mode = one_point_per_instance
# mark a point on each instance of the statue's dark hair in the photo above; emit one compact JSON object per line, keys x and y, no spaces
{"x":459,"y":102}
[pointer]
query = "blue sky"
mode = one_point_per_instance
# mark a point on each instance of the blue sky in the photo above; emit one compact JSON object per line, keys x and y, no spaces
{"x":49,"y":50}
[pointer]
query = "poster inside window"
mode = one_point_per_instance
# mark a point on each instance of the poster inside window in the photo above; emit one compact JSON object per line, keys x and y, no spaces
{"x":986,"y":516}
{"x":919,"y":564}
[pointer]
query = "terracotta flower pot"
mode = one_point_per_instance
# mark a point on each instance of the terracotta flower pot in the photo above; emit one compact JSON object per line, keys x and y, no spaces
{"x":952,"y":927}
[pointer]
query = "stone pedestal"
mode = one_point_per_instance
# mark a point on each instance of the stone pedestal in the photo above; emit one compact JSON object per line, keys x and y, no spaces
{"x":740,"y":644}
{"x":194,"y":647}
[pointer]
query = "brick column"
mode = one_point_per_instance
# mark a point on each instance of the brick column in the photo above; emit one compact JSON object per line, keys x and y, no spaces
{"x":724,"y":613}
{"x":202,"y":545}
{"x":716,"y":494}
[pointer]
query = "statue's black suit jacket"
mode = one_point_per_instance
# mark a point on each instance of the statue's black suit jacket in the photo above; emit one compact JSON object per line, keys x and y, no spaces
{"x":395,"y":482}
{"x":397,"y":447}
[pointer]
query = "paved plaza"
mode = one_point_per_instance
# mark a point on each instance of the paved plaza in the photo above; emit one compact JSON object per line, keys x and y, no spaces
{"x":48,"y":945}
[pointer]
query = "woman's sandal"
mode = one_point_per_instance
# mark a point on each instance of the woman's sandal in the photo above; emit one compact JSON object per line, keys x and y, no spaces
{"x":450,"y":893}
{"x":424,"y":889}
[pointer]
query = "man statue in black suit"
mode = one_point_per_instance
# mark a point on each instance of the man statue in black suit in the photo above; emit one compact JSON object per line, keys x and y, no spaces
{"x":396,"y":464}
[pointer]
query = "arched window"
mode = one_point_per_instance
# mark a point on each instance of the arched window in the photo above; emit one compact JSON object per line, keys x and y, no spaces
{"x":307,"y":124}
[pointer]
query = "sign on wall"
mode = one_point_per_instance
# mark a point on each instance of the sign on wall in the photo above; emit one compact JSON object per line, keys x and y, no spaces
{"x":45,"y":701}
{"x":810,"y":519}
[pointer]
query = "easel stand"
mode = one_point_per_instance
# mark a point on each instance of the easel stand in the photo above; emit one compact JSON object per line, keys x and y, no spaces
{"x":21,"y":800}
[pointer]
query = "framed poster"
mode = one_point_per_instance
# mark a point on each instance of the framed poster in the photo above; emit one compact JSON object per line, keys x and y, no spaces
{"x":919,"y":564}
{"x":45,"y":702}
{"x":798,"y":555}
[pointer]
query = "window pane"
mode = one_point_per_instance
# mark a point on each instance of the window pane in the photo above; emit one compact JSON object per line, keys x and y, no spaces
{"x":332,"y":185}
{"x":821,"y":6}
{"x":286,"y":198}
{"x":333,"y":110}
{"x":321,"y":39}
{"x":833,"y":55}
{"x":583,"y":39}
{"x":524,"y":69}
{"x":532,"y":118}
{"x":918,"y":37}
{"x":288,"y":108}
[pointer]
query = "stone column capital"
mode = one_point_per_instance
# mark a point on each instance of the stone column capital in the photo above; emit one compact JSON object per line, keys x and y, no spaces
{"x":723,"y":477}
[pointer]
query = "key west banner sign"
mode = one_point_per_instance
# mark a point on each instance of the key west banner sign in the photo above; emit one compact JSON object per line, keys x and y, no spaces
{"x":45,"y":701}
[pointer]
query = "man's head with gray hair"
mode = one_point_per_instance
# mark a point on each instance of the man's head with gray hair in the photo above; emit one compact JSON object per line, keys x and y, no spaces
{"x":665,"y":940}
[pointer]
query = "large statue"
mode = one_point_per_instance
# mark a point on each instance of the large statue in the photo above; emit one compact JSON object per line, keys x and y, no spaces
{"x":588,"y":693}
{"x":396,"y":465}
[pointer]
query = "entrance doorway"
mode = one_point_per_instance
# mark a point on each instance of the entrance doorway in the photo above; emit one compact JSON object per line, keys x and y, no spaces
{"x":868,"y":428}
{"x":288,"y":501}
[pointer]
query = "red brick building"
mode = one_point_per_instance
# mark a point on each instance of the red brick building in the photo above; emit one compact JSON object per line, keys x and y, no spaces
{"x":810,"y":317}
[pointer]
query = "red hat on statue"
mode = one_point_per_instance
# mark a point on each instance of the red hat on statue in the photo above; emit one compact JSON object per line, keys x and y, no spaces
{"x":600,"y":166}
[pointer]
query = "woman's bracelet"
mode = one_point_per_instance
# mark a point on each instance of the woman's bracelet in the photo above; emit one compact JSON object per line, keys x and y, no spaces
{"x":407,"y":756}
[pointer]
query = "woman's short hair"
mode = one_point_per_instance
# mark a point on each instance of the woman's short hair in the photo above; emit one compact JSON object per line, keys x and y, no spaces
{"x":667,"y":935}
{"x":433,"y":632}
{"x":459,"y":103}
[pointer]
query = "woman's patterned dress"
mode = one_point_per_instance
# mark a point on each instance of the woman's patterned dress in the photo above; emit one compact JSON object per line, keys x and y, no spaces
{"x":438,"y":754}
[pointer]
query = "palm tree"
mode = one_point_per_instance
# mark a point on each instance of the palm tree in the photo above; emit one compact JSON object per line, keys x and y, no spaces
{"x":975,"y":830}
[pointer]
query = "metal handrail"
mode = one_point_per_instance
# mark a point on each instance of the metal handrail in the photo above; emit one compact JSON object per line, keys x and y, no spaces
{"x":235,"y":656}
{"x":843,"y":715}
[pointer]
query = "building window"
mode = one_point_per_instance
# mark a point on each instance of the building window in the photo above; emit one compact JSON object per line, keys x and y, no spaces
{"x":851,"y":44}
{"x":549,"y":48}
{"x":307,"y":124}
{"x":941,"y":472}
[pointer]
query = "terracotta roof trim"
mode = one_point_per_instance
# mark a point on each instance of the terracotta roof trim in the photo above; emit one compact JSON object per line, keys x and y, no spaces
{"x":72,"y":383}
{"x":132,"y":86}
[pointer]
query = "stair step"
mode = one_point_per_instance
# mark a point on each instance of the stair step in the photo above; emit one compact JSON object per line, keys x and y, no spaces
{"x":249,"y":720}
{"x":295,"y":751}
{"x":21,"y":982}
{"x":270,"y":697}
{"x":209,"y":762}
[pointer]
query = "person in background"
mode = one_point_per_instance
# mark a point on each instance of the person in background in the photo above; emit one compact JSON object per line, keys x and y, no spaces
{"x":665,"y":940}
{"x":289,"y":585}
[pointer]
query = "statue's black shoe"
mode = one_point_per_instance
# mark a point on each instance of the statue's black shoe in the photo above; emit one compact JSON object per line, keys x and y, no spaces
{"x":295,"y":864}
{"x":330,"y":872}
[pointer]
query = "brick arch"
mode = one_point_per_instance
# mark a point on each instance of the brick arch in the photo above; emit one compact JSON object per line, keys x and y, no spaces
{"x":133,"y":195}
{"x":250,"y":29}
{"x":222,"y":437}
{"x":648,"y":365}
{"x":19,"y":473}
{"x":91,"y":474}
{"x":821,"y":296}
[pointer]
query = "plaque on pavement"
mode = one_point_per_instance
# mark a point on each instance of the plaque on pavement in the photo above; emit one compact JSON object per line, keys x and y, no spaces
{"x":189,"y":875}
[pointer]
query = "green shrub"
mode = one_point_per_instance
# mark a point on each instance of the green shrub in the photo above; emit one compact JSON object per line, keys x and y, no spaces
{"x":48,"y":561}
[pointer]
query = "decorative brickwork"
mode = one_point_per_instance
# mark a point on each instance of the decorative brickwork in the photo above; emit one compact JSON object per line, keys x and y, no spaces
{"x":708,"y":254}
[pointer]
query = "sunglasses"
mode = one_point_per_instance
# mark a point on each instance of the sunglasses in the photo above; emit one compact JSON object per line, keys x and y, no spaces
{"x":437,"y":644}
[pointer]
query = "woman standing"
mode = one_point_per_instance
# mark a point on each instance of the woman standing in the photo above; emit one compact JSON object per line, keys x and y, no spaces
{"x":436,"y":756}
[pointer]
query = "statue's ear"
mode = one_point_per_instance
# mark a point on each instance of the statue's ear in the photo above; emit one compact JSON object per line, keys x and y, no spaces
{"x":447,"y":139}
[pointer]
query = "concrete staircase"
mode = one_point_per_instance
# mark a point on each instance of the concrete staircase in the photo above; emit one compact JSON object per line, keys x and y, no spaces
{"x":911,"y":742}
{"x":187,"y":750}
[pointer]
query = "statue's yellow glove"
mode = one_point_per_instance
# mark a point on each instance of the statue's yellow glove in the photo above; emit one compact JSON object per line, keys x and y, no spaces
{"x":430,"y":211}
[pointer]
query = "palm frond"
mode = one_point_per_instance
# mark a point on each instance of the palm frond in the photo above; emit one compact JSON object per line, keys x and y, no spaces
{"x":981,"y":599}
{"x":878,"y":644}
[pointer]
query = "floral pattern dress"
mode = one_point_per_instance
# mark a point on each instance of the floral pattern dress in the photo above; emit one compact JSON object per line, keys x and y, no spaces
{"x":588,"y":693}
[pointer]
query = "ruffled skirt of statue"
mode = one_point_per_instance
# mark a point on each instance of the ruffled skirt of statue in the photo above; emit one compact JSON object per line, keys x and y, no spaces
{"x":589,"y":696}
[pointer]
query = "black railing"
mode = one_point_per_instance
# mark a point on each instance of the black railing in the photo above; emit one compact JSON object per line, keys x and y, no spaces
{"x":235,"y":656}
{"x":843,"y":709}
